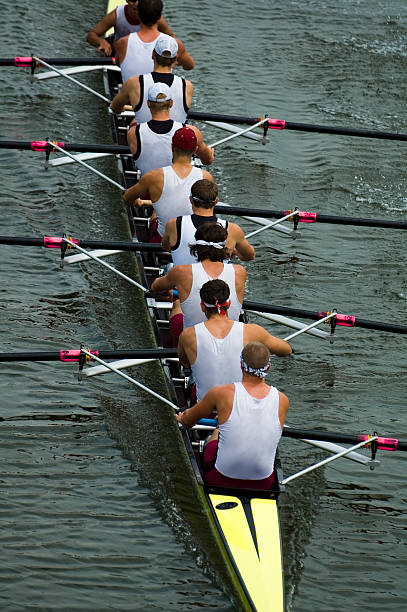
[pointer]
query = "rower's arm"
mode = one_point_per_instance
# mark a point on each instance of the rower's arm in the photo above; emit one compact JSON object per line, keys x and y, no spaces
{"x":132,"y":138}
{"x":182,"y":355}
{"x":206,"y":154}
{"x":183,"y":58}
{"x":95,"y":36}
{"x":283,"y":405}
{"x":120,"y":49}
{"x":276,"y":346}
{"x":129,"y":94}
{"x":164,"y":27}
{"x":202,"y":409}
{"x":132,"y":194}
{"x":169,"y":236}
{"x":243,"y":248}
{"x":164,"y":283}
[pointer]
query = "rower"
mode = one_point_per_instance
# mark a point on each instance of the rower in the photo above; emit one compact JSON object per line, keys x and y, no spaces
{"x":151,"y":142}
{"x":134,"y":53}
{"x":169,"y":188}
{"x":134,"y":90}
{"x":207,"y":347}
{"x":211,"y":252}
{"x":125,"y":20}
{"x":251,"y":414}
{"x":180,"y":231}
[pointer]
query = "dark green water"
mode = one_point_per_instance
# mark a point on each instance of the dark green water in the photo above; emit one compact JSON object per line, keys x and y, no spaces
{"x":91,"y":520}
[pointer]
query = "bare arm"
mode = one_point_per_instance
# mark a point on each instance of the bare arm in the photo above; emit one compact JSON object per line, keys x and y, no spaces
{"x":121,"y":49}
{"x":183,"y":58}
{"x":283,"y":406}
{"x":164,"y":27}
{"x":206,"y":154}
{"x":95,"y":36}
{"x":189,"y":91}
{"x":205,"y":407}
{"x":164,"y":283}
{"x":240,"y":280}
{"x":169,"y":236}
{"x":243,"y":248}
{"x":132,"y":194}
{"x":276,"y":346}
{"x":132,"y":138}
{"x":129,"y":94}
{"x":183,"y":341}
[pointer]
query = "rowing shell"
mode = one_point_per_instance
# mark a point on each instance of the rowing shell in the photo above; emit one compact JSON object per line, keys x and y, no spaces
{"x":246,"y":522}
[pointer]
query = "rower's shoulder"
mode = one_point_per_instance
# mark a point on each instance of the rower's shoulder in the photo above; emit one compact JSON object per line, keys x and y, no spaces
{"x":234,"y":229}
{"x":240,"y":270}
{"x":152,"y":177}
{"x":207,"y":175}
{"x":180,"y":271}
{"x":188,"y":334}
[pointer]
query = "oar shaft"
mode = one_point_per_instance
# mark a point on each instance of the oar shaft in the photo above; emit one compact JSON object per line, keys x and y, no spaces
{"x":59,"y":61}
{"x":343,"y":131}
{"x":158,"y":353}
{"x":30,"y":145}
{"x":309,"y":314}
{"x":94,"y":244}
{"x":335,"y":220}
{"x":300,"y":127}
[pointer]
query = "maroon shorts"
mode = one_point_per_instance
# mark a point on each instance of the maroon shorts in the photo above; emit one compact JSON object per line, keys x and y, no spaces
{"x":176,"y":327}
{"x":215,"y":478}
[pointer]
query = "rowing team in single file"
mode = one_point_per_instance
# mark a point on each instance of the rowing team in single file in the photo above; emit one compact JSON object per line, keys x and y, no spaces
{"x":229,"y":358}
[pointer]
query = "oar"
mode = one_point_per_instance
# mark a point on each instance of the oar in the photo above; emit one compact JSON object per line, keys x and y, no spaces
{"x":106,"y":265}
{"x":58,"y":241}
{"x":73,"y":355}
{"x":390,"y":444}
{"x":70,"y":78}
{"x":28,"y":62}
{"x":239,"y":133}
{"x":309,"y":217}
{"x":340,"y":319}
{"x":281,"y":124}
{"x":130,"y":379}
{"x":43,"y":145}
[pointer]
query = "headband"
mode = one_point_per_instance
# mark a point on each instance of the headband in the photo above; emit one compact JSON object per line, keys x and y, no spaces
{"x":260,"y":372}
{"x":203,"y":201}
{"x":218,"y":305}
{"x":217,"y":245}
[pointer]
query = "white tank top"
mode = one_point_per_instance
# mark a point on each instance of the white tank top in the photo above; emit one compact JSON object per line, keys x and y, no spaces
{"x":174,"y":200}
{"x":139,"y":57}
{"x":217,"y":359}
{"x":186,"y":236}
{"x":123,"y":27}
{"x":179,"y":108}
{"x":154,"y":150}
{"x":191,"y":307}
{"x":248,"y":440}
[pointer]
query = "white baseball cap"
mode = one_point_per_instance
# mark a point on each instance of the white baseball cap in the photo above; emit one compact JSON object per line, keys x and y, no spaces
{"x":166,"y":46}
{"x":157,"y":89}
